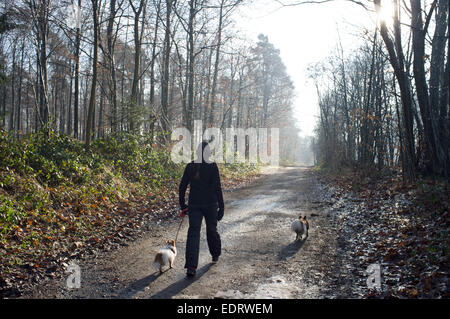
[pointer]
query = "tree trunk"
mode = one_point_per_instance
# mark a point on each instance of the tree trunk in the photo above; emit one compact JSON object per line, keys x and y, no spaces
{"x":91,"y":109}
{"x":77,"y":80}
{"x":19,"y":104}
{"x":216,"y":65}
{"x":396,"y":58}
{"x":42,"y":30}
{"x":134,"y":109}
{"x":111,"y":66}
{"x":152,"y":72}
{"x":165,"y":71}
{"x":191,"y":57}
{"x":433,"y":149}
{"x":13,"y":89}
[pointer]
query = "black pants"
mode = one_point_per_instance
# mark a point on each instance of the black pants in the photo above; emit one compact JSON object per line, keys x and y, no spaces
{"x":196,"y":215}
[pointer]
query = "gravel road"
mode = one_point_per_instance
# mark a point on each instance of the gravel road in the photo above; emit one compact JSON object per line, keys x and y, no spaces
{"x":260,"y":258}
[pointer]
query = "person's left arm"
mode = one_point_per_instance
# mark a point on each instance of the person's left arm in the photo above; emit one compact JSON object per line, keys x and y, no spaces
{"x":182,"y":188}
{"x":218,"y":190}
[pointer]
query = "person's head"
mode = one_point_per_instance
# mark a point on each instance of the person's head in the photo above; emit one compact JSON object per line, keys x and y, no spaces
{"x":203,"y":152}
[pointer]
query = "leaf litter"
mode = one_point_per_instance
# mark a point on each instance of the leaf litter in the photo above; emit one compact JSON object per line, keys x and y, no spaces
{"x":402,"y":228}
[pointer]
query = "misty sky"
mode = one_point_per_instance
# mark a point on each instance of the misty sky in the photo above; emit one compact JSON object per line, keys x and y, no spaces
{"x":305,"y":34}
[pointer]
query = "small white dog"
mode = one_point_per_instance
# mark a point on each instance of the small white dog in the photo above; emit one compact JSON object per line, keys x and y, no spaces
{"x":165,"y":256}
{"x":300,"y":226}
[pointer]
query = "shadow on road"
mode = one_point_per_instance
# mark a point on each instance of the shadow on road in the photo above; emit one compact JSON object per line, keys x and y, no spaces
{"x":137,"y":286}
{"x":180,"y":285}
{"x":291,"y":249}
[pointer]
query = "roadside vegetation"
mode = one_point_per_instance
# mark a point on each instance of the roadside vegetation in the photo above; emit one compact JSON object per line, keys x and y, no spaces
{"x":56,"y":197}
{"x":403,"y":227}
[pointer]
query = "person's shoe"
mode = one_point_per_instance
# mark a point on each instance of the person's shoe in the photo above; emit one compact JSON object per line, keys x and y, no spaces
{"x":190,"y":272}
{"x":215,"y":259}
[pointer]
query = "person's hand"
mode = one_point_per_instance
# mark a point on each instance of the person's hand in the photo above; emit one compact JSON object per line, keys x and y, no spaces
{"x":184,"y":211}
{"x":220,"y":213}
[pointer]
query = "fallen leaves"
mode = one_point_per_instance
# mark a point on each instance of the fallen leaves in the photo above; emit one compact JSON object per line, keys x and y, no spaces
{"x":79,"y":228}
{"x":404,"y":228}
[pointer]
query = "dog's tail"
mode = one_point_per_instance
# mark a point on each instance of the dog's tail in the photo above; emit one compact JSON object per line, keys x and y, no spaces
{"x":159,"y":260}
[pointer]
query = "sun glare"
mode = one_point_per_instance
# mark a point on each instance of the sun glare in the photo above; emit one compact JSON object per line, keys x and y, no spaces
{"x":386,"y":12}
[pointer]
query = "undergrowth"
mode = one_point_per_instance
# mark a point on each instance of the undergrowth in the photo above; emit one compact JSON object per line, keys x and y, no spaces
{"x":52,"y":190}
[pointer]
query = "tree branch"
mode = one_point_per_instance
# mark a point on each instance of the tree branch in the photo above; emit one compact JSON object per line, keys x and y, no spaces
{"x":317,"y":2}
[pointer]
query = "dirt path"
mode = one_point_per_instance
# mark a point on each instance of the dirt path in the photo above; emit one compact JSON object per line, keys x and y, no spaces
{"x":259,"y":259}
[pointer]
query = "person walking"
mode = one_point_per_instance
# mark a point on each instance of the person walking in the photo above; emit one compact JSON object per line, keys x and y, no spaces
{"x":205,"y":200}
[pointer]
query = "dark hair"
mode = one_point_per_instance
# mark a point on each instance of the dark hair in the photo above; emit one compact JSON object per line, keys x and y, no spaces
{"x":197,"y":166}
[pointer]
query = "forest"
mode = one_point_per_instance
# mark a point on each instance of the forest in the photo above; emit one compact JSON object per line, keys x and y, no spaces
{"x":91,"y":91}
{"x":92,"y":69}
{"x":386,"y":105}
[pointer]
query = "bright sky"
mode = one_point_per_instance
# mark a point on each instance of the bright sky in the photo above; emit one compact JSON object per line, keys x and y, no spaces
{"x":305,"y":34}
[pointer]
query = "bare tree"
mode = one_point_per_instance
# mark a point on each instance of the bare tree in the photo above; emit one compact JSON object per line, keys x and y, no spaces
{"x":96,"y":4}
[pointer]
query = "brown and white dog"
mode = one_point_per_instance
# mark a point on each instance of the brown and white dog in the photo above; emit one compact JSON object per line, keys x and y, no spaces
{"x":300,"y":226}
{"x":165,"y":256}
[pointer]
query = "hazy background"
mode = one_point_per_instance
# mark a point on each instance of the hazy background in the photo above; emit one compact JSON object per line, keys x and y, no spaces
{"x":305,"y":34}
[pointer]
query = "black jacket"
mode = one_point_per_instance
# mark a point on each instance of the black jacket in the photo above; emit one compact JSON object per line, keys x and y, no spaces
{"x":204,"y":180}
